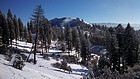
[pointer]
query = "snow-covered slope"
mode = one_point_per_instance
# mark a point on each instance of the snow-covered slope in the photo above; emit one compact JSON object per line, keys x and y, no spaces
{"x":42,"y":70}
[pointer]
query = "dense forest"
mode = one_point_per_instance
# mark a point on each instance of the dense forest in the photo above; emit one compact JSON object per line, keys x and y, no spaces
{"x":120,"y":61}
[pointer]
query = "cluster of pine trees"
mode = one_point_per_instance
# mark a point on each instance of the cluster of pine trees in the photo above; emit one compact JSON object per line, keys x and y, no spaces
{"x":123,"y":47}
{"x":11,"y":28}
{"x":121,"y":43}
{"x":72,"y":38}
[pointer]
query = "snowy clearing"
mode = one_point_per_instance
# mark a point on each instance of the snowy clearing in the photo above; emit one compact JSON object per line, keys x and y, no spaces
{"x":42,"y":70}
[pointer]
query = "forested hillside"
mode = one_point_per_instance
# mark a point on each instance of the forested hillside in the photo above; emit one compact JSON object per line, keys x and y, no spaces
{"x":66,"y":46}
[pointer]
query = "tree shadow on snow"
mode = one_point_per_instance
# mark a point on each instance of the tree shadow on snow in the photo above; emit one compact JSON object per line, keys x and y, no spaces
{"x":23,"y":46}
{"x":82,"y":72}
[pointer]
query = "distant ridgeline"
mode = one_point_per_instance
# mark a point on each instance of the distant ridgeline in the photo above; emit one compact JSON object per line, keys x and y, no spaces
{"x":67,"y":21}
{"x":136,"y":26}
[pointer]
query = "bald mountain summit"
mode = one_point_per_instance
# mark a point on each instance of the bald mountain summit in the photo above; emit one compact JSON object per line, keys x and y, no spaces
{"x":72,"y":22}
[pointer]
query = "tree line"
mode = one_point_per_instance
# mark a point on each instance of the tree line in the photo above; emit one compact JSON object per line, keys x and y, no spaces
{"x":11,"y":28}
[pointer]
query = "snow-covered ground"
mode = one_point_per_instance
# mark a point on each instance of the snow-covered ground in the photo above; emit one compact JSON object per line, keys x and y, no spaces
{"x":42,"y":70}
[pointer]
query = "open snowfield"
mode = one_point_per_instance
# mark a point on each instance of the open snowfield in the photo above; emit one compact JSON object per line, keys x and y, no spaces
{"x":42,"y":70}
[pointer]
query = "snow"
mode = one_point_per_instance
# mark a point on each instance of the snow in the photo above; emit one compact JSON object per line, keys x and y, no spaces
{"x":42,"y":70}
{"x":22,"y":45}
{"x":67,"y":20}
{"x":88,"y":23}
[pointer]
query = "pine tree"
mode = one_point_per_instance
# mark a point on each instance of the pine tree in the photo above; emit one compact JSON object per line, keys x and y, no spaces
{"x":120,"y":37}
{"x":112,"y":47}
{"x":76,"y":40}
{"x":54,"y":34}
{"x":68,"y":37}
{"x":21,"y":28}
{"x":9,"y":14}
{"x":47,"y":33}
{"x":85,"y":44}
{"x":114,"y":55}
{"x":26,"y":35}
{"x":74,"y":35}
{"x":10,"y":25}
{"x":1,"y":44}
{"x":130,"y":48}
{"x":29,"y":39}
{"x":31,"y":27}
{"x":4,"y":28}
{"x":37,"y":18}
{"x":16,"y":28}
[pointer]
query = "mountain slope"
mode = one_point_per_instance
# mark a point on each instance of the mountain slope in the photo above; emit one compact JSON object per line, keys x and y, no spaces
{"x":62,"y":22}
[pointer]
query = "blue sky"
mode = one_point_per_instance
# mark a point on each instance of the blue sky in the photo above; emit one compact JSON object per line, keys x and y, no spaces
{"x":114,"y":11}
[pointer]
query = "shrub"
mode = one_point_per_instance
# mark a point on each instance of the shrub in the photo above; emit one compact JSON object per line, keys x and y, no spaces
{"x":10,"y":51}
{"x":70,"y":59}
{"x":18,"y":62}
{"x":56,"y":57}
{"x":56,"y":65}
{"x":63,"y":65}
{"x":46,"y":56}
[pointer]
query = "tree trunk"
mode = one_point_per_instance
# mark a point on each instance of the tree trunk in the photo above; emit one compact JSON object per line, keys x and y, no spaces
{"x":11,"y":43}
{"x":35,"y":48}
{"x":42,"y":47}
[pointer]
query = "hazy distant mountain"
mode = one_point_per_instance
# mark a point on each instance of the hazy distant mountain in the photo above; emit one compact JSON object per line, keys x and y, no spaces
{"x":136,"y":26}
{"x":67,"y":20}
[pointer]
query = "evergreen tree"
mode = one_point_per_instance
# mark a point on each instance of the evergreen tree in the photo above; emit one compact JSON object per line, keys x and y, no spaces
{"x":120,"y":37}
{"x":1,"y":44}
{"x":4,"y":28}
{"x":84,"y":47}
{"x":21,"y":28}
{"x":10,"y":25}
{"x":37,"y":18}
{"x":31,"y":27}
{"x":74,"y":35}
{"x":59,"y":33}
{"x":54,"y":34}
{"x":9,"y":14}
{"x":112,"y":47}
{"x":47,"y":32}
{"x":68,"y":37}
{"x":29,"y":39}
{"x":76,"y":40}
{"x":130,"y":48}
{"x":16,"y":28}
{"x":26,"y":35}
{"x":114,"y":55}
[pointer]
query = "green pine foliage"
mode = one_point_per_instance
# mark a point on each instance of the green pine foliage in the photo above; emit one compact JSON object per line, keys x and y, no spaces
{"x":11,"y":26}
{"x":29,"y":39}
{"x":68,"y":37}
{"x":1,"y":44}
{"x":21,"y":29}
{"x":16,"y":28}
{"x":4,"y":29}
{"x":130,"y":48}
